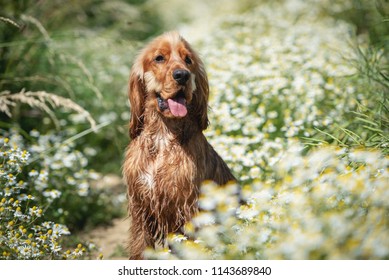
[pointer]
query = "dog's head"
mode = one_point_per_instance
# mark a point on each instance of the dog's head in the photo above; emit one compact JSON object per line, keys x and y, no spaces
{"x":168,"y":77}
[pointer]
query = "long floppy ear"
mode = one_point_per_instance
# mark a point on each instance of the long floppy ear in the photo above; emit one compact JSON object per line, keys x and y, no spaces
{"x":136,"y":94}
{"x":201,"y":95}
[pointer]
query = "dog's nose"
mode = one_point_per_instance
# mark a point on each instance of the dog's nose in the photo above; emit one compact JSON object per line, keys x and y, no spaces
{"x":181,"y":76}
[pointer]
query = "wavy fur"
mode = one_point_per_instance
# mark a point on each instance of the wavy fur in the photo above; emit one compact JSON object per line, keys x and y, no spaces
{"x":168,"y":157}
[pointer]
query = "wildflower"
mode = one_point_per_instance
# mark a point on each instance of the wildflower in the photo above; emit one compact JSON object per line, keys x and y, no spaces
{"x":203,"y":219}
{"x":34,"y":133}
{"x":18,"y":213}
{"x":59,"y":230}
{"x":25,"y":197}
{"x":51,"y":194}
{"x":247,"y":212}
{"x":83,"y":189}
{"x":179,"y":238}
{"x":24,"y":250}
{"x":35,"y":211}
{"x":33,"y":173}
{"x":55,"y":247}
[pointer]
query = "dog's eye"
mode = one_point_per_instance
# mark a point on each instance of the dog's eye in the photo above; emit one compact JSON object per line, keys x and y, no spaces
{"x":188,"y":60}
{"x":159,"y":58}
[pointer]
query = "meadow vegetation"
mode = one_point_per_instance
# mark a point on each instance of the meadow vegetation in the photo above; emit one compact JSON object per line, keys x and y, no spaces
{"x":299,"y":110}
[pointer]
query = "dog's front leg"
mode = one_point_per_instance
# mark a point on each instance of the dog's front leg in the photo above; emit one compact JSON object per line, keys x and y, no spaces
{"x":140,"y":238}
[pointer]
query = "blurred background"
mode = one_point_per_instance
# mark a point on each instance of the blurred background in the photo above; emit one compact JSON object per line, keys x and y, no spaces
{"x":315,"y":71}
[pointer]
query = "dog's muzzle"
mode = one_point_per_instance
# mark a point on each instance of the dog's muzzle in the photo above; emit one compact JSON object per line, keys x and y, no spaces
{"x":176,"y":105}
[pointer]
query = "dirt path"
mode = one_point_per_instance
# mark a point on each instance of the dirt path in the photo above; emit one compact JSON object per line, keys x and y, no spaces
{"x":111,"y":240}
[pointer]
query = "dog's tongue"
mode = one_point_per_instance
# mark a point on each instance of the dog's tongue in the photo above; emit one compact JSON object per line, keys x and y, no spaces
{"x":177,"y":107}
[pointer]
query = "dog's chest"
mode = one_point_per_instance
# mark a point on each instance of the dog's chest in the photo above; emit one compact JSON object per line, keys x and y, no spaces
{"x":148,"y":175}
{"x":166,"y":166}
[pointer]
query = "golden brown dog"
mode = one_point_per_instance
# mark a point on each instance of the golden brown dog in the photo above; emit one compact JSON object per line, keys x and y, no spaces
{"x":168,"y":157}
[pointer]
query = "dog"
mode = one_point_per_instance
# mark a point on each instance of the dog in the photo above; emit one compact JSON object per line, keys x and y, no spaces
{"x":168,"y":157}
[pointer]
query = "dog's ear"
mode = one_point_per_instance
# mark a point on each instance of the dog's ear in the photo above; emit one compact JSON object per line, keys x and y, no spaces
{"x":201,"y":95}
{"x":136,"y":94}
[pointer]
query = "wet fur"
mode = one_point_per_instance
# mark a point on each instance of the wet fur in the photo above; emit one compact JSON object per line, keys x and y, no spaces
{"x":168,"y":158}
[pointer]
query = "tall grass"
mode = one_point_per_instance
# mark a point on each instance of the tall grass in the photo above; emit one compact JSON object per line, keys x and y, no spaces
{"x":368,"y":124}
{"x":80,"y":51}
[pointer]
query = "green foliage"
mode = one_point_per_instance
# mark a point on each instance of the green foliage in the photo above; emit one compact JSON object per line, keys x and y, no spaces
{"x":367,"y":124}
{"x":40,"y":50}
{"x":369,"y":16}
{"x":26,"y":208}
{"x":57,"y":173}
